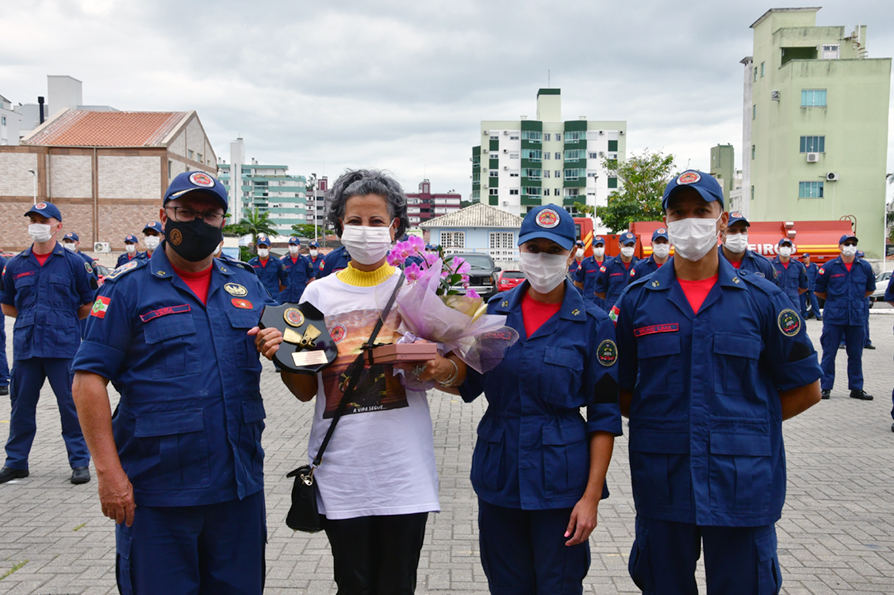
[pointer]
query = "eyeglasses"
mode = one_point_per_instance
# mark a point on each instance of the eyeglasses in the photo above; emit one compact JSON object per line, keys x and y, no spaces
{"x":185,"y":215}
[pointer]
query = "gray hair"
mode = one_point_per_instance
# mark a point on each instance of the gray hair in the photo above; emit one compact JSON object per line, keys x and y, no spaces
{"x":361,"y":182}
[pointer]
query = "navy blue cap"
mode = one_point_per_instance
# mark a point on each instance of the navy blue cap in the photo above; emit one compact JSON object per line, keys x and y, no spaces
{"x":550,"y":222}
{"x":131,"y":239}
{"x":785,"y":241}
{"x":294,"y":242}
{"x":598,"y":240}
{"x":72,"y":236}
{"x":197,"y":181}
{"x":860,"y":254}
{"x":314,"y":245}
{"x":705,"y":184}
{"x":735,"y":217}
{"x":154,"y":226}
{"x":263,"y":240}
{"x":805,"y":254}
{"x":847,"y":236}
{"x":626,"y":238}
{"x":661,"y":232}
{"x":47,"y":209}
{"x":579,"y":244}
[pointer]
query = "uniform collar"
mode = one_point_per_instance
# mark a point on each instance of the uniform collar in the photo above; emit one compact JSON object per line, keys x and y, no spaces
{"x":57,"y":250}
{"x":161,"y":267}
{"x":664,"y":277}
{"x":573,"y":307}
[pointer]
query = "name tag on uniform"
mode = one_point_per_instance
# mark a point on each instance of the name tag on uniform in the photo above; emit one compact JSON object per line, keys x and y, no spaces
{"x":672,"y":327}
{"x":164,"y":312}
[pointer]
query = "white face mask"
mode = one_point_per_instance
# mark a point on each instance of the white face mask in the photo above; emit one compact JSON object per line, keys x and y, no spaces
{"x":599,"y":252}
{"x":693,"y":237}
{"x":71,"y":246}
{"x":627,"y":251}
{"x":313,"y":253}
{"x":366,"y":245}
{"x":293,"y":250}
{"x":661,"y":250}
{"x":216,"y":250}
{"x":849,"y":250}
{"x":130,"y":248}
{"x":40,"y":232}
{"x":263,"y":252}
{"x":152,"y":242}
{"x":736,"y":243}
{"x":579,"y":253}
{"x":785,"y":251}
{"x":543,"y":271}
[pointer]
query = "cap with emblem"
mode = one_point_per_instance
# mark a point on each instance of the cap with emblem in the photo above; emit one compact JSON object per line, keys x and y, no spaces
{"x":703,"y":183}
{"x":598,"y":240}
{"x":785,"y":241}
{"x":860,"y":254}
{"x":197,"y":181}
{"x":154,"y":226}
{"x":72,"y":236}
{"x":46,"y":209}
{"x":314,"y":245}
{"x":735,"y":217}
{"x":846,"y":237}
{"x":131,"y":240}
{"x":263,"y":241}
{"x":661,"y":232}
{"x":294,"y":242}
{"x":805,"y":255}
{"x":550,"y":222}
{"x":579,"y":244}
{"x":626,"y":238}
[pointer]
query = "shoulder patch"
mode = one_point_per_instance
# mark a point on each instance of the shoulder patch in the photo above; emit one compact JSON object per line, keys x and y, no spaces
{"x":607,"y":353}
{"x":602,"y":269}
{"x":126,"y":268}
{"x":822,"y":271}
{"x":789,"y":323}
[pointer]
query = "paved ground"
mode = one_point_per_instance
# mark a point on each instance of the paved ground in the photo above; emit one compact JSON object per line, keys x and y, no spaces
{"x":836,"y":535}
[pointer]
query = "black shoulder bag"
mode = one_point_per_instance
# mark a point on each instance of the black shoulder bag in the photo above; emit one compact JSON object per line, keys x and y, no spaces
{"x":303,"y":514}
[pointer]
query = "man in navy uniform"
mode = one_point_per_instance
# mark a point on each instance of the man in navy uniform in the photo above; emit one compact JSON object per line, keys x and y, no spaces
{"x":314,"y":257}
{"x":335,"y":261}
{"x":867,"y":342}
{"x":577,"y":260}
{"x":71,"y":242}
{"x":791,"y":276}
{"x":269,"y":270}
{"x":809,"y":295}
{"x":614,"y":275}
{"x":46,"y":289}
{"x":180,"y":464}
{"x":153,"y":234}
{"x":735,"y":248}
{"x":845,"y":283}
{"x":130,"y":251}
{"x":711,"y":361}
{"x":659,"y":256}
{"x":585,"y":277}
{"x":298,"y":272}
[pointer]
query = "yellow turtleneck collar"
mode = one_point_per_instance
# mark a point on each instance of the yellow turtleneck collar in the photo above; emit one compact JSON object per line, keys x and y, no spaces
{"x":352,"y":276}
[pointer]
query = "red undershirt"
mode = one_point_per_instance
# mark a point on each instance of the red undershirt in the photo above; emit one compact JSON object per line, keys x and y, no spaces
{"x":627,"y":264}
{"x":848,"y":265}
{"x":197,"y":282}
{"x":263,"y":261}
{"x":697,"y":291}
{"x":535,"y":313}
{"x":736,"y":264}
{"x":41,"y":258}
{"x":294,"y":260}
{"x":785,"y":264}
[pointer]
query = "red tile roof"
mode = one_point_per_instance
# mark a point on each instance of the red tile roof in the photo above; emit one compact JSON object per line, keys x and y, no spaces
{"x":82,"y":128}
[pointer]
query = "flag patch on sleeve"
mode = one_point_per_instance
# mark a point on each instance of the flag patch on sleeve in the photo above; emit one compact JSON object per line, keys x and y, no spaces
{"x":99,"y":307}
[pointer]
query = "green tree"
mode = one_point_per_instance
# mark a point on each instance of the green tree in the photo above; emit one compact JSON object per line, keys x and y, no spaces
{"x":306,"y":230}
{"x":642,"y":179}
{"x":583,"y":209}
{"x":256,"y":224}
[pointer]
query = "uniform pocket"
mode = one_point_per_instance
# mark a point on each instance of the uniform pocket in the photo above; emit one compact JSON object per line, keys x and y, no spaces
{"x":560,"y":378}
{"x":769,"y":576}
{"x":22,"y":334}
{"x":659,"y":467}
{"x":253,"y":415}
{"x":123,"y":546}
{"x":177,"y":335}
{"x":735,"y":361}
{"x":566,"y":457}
{"x":26,"y":292}
{"x":488,"y":467}
{"x":243,"y":345}
{"x":174,"y":449}
{"x":638,"y":565}
{"x":660,"y":353}
{"x":741,"y":475}
{"x":61,"y":292}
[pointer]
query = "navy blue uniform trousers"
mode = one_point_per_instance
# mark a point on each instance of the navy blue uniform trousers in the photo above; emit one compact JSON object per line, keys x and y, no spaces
{"x":4,"y":363}
{"x":215,"y":549}
{"x":523,"y":552}
{"x":738,"y":560}
{"x":852,"y":336}
{"x":814,"y":304}
{"x":28,"y":376}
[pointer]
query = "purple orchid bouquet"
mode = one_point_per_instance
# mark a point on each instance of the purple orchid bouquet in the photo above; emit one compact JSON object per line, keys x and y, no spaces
{"x":440,"y":307}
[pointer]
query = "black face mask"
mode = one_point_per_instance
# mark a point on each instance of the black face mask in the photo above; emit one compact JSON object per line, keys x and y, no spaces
{"x":194,"y":241}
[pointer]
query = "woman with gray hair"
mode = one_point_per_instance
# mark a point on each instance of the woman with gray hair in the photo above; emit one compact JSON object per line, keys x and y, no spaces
{"x":378,"y":481}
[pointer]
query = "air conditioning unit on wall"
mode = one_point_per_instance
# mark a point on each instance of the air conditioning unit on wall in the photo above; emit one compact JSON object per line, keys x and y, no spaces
{"x":832,"y":176}
{"x":104,"y":247}
{"x":812,"y":157}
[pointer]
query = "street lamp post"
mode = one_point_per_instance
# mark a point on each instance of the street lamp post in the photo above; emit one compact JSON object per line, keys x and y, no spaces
{"x":34,"y":173}
{"x":311,"y":187}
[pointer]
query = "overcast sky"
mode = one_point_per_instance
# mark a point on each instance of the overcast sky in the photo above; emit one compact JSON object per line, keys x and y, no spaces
{"x":403,"y":86}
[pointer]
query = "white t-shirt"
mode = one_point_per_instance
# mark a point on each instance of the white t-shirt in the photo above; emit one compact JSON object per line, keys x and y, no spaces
{"x":381,"y":458}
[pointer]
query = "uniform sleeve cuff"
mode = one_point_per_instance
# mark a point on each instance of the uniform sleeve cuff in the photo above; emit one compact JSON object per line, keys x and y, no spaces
{"x":612,"y":426}
{"x":796,"y":374}
{"x":98,"y":358}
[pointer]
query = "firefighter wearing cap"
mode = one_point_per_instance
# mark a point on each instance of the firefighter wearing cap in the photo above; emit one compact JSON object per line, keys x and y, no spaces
{"x":269,"y":270}
{"x":791,"y":276}
{"x":614,"y":275}
{"x":70,"y":242}
{"x":538,"y":467}
{"x":335,"y":261}
{"x":577,"y":260}
{"x":130,"y":251}
{"x":152,"y":236}
{"x":298,"y":272}
{"x":180,"y":465}
{"x":867,"y":342}
{"x":46,"y":288}
{"x":585,"y":277}
{"x":734,"y":248}
{"x":314,"y":257}
{"x":845,"y":283}
{"x":659,"y":256}
{"x":809,"y":296}
{"x":712,"y":360}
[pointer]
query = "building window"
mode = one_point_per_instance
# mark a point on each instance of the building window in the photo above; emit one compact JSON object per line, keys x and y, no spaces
{"x":558,"y":136}
{"x":752,"y":193}
{"x":572,"y":192}
{"x":534,"y":174}
{"x":199,"y":158}
{"x":574,"y":173}
{"x":762,"y":69}
{"x":546,"y":173}
{"x":555,"y":191}
{"x":612,"y":145}
{"x":3,"y":120}
{"x":810,"y":189}
{"x":830,"y":52}
{"x":513,"y":174}
{"x":190,"y":154}
{"x":531,"y":154}
{"x":557,"y":155}
{"x":500,"y":240}
{"x":612,"y":183}
{"x":535,"y":136}
{"x":753,"y":112}
{"x":557,"y":173}
{"x":547,"y":155}
{"x":170,"y":169}
{"x":752,"y":151}
{"x":453,"y":239}
{"x":813,"y":98}
{"x":494,"y":137}
{"x":573,"y":137}
{"x":531,"y":190}
{"x":575,"y":154}
{"x":592,"y":155}
{"x":513,"y":137}
{"x":492,"y":192}
{"x":546,"y":136}
{"x":494,"y":173}
{"x":813,"y":144}
{"x":755,"y":74}
{"x":513,"y":191}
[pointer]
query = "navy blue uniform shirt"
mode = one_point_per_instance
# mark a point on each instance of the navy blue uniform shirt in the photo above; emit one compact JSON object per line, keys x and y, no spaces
{"x":335,"y":261}
{"x":645,"y":267}
{"x":845,"y":291}
{"x":811,"y":271}
{"x":47,"y":299}
{"x":754,"y":263}
{"x":586,"y":275}
{"x":705,"y":418}
{"x":612,"y":279}
{"x":189,"y":422}
{"x":271,"y":274}
{"x":790,"y":279}
{"x":532,"y":450}
{"x":296,"y":274}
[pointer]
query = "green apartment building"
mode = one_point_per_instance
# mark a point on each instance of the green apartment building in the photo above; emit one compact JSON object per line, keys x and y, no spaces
{"x":815,"y":131}
{"x":271,"y":189}
{"x":520,"y":164}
